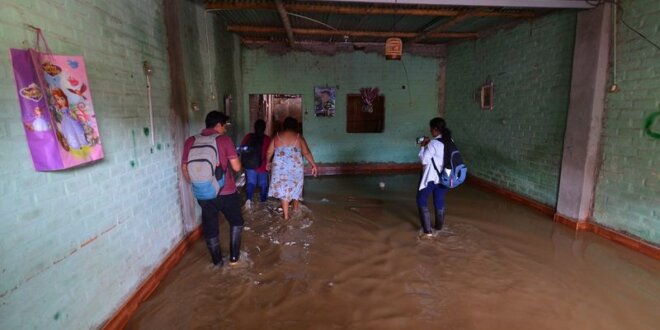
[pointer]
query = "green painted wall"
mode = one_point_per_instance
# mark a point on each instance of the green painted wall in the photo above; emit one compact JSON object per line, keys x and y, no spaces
{"x":209,"y":63}
{"x":407,"y":111}
{"x":517,"y":145}
{"x":628,"y":188}
{"x":77,"y":243}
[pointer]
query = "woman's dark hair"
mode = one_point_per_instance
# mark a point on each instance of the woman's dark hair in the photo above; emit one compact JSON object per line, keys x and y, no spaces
{"x":215,"y":117}
{"x":259,"y":127}
{"x":290,"y":124}
{"x":440,"y":125}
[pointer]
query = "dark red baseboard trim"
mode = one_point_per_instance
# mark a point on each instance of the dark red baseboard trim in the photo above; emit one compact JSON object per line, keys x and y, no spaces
{"x":613,"y":235}
{"x":635,"y":244}
{"x":545,"y":209}
{"x":124,"y":314}
{"x":572,"y":223}
{"x":616,"y":236}
{"x":366,"y":168}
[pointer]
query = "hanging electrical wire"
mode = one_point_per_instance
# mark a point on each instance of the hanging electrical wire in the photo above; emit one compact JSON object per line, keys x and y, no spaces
{"x":403,"y":63}
{"x":317,"y":22}
{"x":313,"y":20}
{"x":620,"y":8}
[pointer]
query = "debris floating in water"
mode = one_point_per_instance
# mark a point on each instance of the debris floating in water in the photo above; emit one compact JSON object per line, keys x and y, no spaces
{"x":324,"y":200}
{"x":381,"y":185}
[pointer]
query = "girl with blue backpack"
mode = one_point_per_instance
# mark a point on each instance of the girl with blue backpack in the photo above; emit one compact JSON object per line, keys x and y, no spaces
{"x":443,"y":169}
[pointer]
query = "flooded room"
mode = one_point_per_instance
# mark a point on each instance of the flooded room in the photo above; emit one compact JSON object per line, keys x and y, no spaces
{"x":339,"y":164}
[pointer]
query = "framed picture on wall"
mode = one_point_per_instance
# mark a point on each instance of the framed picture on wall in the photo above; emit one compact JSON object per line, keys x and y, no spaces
{"x":324,"y":101}
{"x":360,"y":121}
{"x":486,"y":93}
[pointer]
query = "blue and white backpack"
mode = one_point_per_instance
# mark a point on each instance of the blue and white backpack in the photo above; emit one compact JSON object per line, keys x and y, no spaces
{"x":206,"y":173}
{"x":454,"y":170}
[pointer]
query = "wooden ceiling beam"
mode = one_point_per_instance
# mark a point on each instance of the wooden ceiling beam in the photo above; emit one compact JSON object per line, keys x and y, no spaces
{"x":444,"y":26}
{"x":285,"y":21}
{"x":249,"y":29}
{"x":371,"y":10}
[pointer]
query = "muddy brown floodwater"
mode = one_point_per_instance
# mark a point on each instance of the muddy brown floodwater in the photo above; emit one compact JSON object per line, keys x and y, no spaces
{"x":354,"y":259}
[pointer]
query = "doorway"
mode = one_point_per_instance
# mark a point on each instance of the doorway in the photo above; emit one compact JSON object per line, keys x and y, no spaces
{"x":274,"y":108}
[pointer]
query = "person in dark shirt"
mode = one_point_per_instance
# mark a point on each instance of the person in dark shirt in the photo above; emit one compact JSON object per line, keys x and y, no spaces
{"x":257,"y":174}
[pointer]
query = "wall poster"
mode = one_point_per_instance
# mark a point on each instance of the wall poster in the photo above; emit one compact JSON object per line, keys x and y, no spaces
{"x":56,"y":109}
{"x":324,"y":101}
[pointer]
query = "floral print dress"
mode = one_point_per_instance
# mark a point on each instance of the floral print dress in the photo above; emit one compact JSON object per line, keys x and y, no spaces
{"x":286,"y":177}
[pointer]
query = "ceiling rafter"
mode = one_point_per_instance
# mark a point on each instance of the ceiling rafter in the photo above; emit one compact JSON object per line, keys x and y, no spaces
{"x":443,"y":26}
{"x":363,"y":10}
{"x":285,"y":21}
{"x":331,"y":48}
{"x":250,"y":29}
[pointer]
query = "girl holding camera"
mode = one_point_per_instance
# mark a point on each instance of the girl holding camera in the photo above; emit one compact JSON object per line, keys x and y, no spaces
{"x":431,"y":155}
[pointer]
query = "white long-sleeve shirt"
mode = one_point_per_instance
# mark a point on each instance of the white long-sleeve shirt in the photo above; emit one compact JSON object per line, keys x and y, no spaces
{"x":433,"y":150}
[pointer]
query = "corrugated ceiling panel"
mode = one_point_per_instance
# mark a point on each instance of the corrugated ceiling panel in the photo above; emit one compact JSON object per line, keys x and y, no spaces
{"x":390,"y":22}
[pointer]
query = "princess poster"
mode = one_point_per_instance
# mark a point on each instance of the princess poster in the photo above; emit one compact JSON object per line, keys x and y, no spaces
{"x":57,"y":110}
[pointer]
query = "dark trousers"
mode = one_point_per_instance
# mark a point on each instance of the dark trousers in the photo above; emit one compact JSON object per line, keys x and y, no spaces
{"x":254,"y":178}
{"x":229,"y":205}
{"x":439,"y":191}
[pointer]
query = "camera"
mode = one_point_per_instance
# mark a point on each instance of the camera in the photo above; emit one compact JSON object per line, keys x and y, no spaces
{"x":420,"y":139}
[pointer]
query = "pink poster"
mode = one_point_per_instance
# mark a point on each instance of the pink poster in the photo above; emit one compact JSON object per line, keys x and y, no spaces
{"x":57,"y":110}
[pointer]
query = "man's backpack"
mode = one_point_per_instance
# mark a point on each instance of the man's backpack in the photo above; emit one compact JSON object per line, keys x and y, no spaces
{"x":206,"y":173}
{"x":251,"y":158}
{"x":454,"y":170}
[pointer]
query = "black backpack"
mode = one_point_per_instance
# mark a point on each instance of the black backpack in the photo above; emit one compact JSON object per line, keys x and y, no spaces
{"x":251,"y":158}
{"x":453,"y":162}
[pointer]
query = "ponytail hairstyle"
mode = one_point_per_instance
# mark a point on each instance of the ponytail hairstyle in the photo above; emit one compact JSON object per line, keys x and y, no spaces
{"x":259,"y":128}
{"x":439,"y":124}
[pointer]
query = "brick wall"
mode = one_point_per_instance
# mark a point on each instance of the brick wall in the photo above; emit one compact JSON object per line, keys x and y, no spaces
{"x":407,"y":110}
{"x":517,"y":145}
{"x":628,"y":188}
{"x":208,"y":67}
{"x":77,"y":243}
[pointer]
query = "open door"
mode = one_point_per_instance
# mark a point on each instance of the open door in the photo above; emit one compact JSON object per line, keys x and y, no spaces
{"x":274,"y":108}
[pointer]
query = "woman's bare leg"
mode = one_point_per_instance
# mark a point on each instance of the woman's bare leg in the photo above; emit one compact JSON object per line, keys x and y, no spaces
{"x":285,"y":209}
{"x":296,"y":205}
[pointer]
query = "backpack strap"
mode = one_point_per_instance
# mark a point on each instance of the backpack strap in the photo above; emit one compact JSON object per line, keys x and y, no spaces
{"x":433,"y":160}
{"x":436,"y":168}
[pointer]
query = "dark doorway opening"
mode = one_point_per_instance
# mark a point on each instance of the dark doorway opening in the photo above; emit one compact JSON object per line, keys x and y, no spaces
{"x":274,"y":108}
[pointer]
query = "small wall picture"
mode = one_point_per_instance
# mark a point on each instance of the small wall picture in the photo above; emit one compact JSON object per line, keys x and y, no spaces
{"x":487,"y":96}
{"x":324,"y":101}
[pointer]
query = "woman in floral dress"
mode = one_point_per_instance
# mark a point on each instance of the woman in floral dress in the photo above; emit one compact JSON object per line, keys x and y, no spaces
{"x":285,"y":161}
